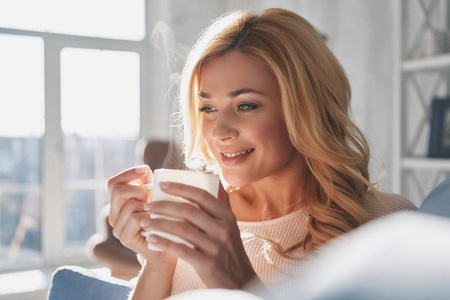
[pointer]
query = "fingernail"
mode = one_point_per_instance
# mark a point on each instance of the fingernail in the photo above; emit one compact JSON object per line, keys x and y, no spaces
{"x":148,"y":206}
{"x":164,"y":185}
{"x":152,"y":238}
{"x":145,"y":223}
{"x":141,"y":169}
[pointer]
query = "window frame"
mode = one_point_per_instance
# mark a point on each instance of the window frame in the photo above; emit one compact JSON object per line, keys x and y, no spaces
{"x":153,"y":123}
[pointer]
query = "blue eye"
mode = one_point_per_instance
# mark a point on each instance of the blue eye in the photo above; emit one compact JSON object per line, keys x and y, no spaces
{"x":247,"y":107}
{"x":206,"y":109}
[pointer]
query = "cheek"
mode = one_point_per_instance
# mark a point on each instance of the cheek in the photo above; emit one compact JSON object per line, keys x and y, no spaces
{"x":207,"y":137}
{"x":276,"y":138}
{"x":206,"y":129}
{"x":271,"y":131}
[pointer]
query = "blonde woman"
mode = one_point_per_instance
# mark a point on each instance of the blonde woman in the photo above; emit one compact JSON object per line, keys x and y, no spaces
{"x":266,"y":104}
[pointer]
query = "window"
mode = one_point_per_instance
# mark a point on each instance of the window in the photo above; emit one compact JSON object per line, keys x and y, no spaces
{"x":70,"y":117}
{"x":100,"y":123}
{"x":118,"y":19}
{"x":21,"y":131}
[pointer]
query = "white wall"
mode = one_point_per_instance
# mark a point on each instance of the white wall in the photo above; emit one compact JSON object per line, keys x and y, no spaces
{"x":360,"y":33}
{"x":361,"y":36}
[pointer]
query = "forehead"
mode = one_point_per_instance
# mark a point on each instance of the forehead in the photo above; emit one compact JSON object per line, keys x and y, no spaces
{"x":235,"y":70}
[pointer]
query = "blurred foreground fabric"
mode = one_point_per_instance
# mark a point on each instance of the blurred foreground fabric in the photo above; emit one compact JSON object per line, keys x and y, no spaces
{"x":401,"y":256}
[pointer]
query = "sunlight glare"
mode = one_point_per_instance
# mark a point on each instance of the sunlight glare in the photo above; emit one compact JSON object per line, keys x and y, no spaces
{"x":21,"y":86}
{"x":99,"y":90}
{"x":120,"y":19}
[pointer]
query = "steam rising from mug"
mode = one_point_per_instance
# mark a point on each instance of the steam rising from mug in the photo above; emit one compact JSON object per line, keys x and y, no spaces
{"x":163,"y":38}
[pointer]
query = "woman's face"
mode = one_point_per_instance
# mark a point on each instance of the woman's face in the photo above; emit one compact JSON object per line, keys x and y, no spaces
{"x":243,"y":121}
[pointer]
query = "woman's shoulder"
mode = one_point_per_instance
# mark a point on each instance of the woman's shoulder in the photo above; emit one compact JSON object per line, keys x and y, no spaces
{"x":391,"y":203}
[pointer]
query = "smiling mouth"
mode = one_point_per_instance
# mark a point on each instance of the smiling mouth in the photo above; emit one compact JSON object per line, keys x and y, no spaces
{"x":229,"y":155}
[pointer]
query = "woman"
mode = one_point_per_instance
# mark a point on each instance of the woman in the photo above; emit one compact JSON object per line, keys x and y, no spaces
{"x":265,"y":104}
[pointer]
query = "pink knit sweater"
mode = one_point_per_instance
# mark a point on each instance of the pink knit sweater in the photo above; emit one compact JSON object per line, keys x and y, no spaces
{"x":287,"y":231}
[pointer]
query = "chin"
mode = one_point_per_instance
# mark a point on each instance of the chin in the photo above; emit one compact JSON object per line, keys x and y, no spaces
{"x":233,"y":181}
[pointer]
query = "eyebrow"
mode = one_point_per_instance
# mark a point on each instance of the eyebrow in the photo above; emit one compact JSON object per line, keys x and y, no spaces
{"x":233,"y":94}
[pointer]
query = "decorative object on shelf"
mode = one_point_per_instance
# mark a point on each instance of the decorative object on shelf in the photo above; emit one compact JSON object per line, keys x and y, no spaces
{"x":435,"y":42}
{"x":421,"y":71}
{"x":442,"y":38}
{"x":440,"y":128}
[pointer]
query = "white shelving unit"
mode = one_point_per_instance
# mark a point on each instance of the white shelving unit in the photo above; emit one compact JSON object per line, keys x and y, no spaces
{"x":422,"y":71}
{"x":436,"y":63}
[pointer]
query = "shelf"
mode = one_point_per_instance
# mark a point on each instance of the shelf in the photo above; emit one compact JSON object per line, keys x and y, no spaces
{"x":418,"y":78}
{"x":432,"y":63}
{"x":413,"y":163}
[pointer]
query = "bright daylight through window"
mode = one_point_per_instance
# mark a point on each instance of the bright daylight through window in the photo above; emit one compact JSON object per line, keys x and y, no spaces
{"x":118,"y":19}
{"x":21,"y":131}
{"x":99,"y":91}
{"x":74,"y":95}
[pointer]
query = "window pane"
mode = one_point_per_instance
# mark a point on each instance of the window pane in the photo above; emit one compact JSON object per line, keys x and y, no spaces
{"x":21,"y":86}
{"x":116,"y":151}
{"x":20,"y":234}
{"x":100,"y":93}
{"x":120,"y":19}
{"x":100,"y":109}
{"x":82,"y":213}
{"x":79,"y":157}
{"x":21,"y":130}
{"x":20,"y":160}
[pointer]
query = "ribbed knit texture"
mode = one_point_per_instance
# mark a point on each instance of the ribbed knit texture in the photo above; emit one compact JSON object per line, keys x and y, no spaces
{"x":286,"y":231}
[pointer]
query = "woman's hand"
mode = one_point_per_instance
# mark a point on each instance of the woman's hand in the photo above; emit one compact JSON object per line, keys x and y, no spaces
{"x":218,"y":255}
{"x":126,"y":216}
{"x":127,"y":209}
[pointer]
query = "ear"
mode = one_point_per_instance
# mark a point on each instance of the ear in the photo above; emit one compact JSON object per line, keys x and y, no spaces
{"x":223,"y":196}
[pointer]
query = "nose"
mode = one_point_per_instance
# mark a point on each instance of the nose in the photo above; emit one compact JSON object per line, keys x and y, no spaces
{"x":225,"y":128}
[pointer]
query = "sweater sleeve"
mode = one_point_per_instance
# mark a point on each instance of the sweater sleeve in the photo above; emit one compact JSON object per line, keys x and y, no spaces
{"x":391,"y":203}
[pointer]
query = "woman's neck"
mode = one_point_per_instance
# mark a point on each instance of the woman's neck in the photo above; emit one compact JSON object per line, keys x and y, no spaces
{"x":272,"y":197}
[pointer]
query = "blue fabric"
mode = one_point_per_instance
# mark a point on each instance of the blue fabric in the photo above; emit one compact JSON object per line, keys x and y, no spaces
{"x":74,"y":283}
{"x":438,"y":201}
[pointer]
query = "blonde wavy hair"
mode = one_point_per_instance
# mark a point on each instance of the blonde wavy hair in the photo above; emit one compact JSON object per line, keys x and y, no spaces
{"x":315,"y":95}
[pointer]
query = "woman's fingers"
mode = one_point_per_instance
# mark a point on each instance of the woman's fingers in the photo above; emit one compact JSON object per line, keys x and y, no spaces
{"x":121,"y":191}
{"x":218,"y":255}
{"x":121,"y":195}
{"x":179,"y":250}
{"x":131,"y":235}
{"x":130,"y":175}
{"x":212,"y":269}
{"x":128,"y":219}
{"x":186,"y":231}
{"x":148,"y":178}
{"x":211,"y":217}
{"x":202,"y":198}
{"x":215,"y":228}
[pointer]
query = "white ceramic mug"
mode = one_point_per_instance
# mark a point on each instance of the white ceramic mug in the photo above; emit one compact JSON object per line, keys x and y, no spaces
{"x":207,"y":182}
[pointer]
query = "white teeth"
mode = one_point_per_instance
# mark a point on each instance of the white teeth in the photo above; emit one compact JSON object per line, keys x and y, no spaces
{"x":236,"y":154}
